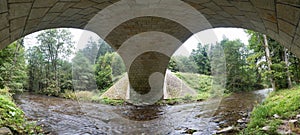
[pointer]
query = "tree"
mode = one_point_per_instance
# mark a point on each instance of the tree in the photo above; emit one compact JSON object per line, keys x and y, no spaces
{"x":104,"y":72}
{"x":183,"y":64}
{"x":201,"y":58}
{"x":117,"y":65}
{"x":173,"y":65}
{"x":287,"y":63}
{"x":269,"y":61}
{"x":45,"y":60}
{"x":103,"y":48}
{"x":274,"y":63}
{"x":12,"y":66}
{"x":83,"y":73}
{"x":239,"y":76}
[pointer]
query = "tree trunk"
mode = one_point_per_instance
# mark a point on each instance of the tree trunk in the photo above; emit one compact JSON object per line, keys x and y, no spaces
{"x":286,"y":60}
{"x":268,"y":58}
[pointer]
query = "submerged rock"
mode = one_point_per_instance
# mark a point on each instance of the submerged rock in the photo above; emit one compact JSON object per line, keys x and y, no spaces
{"x":243,"y":120}
{"x":5,"y":131}
{"x":226,"y":130}
{"x":190,"y":131}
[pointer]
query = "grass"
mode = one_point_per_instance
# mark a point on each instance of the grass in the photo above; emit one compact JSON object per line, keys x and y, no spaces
{"x":13,"y":117}
{"x":90,"y":96}
{"x":201,"y":83}
{"x":285,"y":103}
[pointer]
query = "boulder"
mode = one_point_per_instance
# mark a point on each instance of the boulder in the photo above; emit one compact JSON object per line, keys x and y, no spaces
{"x":5,"y":131}
{"x":292,"y":123}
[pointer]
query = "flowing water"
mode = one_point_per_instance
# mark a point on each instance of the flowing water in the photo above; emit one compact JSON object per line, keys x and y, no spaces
{"x":62,"y":116}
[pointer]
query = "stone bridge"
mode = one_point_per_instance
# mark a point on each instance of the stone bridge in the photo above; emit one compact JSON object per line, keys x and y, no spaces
{"x":147,"y":32}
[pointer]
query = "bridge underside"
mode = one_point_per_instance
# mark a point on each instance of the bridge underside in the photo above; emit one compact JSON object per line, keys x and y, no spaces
{"x":146,"y":33}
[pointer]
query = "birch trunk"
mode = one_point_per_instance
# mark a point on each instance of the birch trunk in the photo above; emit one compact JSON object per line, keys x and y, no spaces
{"x":268,"y":58}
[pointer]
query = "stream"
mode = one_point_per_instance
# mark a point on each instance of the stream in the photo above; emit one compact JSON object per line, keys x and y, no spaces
{"x":60,"y":116}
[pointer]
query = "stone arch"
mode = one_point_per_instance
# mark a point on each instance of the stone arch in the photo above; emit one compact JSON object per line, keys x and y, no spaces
{"x":278,"y":19}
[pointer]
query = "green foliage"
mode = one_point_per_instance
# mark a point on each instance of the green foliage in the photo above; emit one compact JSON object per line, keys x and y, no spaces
{"x":12,"y":66}
{"x":104,"y":71}
{"x":13,"y":117}
{"x":284,"y":103}
{"x":239,"y":76}
{"x":83,"y":73}
{"x":173,"y":65}
{"x":49,"y":71}
{"x":182,"y":64}
{"x":117,"y":65}
{"x":201,"y":83}
{"x":257,"y":61}
{"x":202,"y":60}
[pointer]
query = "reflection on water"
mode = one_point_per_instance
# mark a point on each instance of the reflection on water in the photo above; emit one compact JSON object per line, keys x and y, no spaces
{"x":61,"y":116}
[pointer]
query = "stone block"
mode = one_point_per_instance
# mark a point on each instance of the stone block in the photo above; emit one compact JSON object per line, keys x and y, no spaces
{"x":295,"y":49}
{"x":14,"y":35}
{"x":267,"y":15}
{"x":4,"y":43}
{"x":264,"y":4}
{"x":60,"y":7}
{"x":37,"y":13}
{"x":102,"y":5}
{"x":296,"y":40}
{"x":298,"y":28}
{"x":286,"y":27}
{"x":19,"y":1}
{"x":243,"y":5}
{"x":70,"y":12}
{"x":207,"y":11}
{"x":197,"y":1}
{"x":223,"y":2}
{"x":44,"y":3}
{"x":212,"y":5}
{"x":17,"y":10}
{"x":3,"y":6}
{"x":84,"y":4}
{"x":4,"y":20}
{"x":292,"y":2}
{"x":232,"y":10}
{"x":285,"y":37}
{"x":271,"y":26}
{"x":50,"y":16}
{"x":258,"y":26}
{"x":288,"y":13}
{"x":4,"y":34}
{"x":17,"y":23}
{"x":32,"y":23}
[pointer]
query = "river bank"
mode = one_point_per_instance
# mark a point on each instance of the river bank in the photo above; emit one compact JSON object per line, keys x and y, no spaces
{"x":278,"y":114}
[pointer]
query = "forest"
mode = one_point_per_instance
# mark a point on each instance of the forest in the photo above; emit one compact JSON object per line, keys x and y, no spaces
{"x":54,"y":67}
{"x":46,"y":67}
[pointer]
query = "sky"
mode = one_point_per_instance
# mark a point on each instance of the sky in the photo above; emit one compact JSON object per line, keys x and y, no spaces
{"x":81,"y":37}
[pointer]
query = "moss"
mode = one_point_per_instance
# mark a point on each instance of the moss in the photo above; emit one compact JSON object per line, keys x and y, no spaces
{"x":284,"y":103}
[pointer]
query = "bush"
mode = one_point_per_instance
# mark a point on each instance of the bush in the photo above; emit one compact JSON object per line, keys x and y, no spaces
{"x":13,"y":117}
